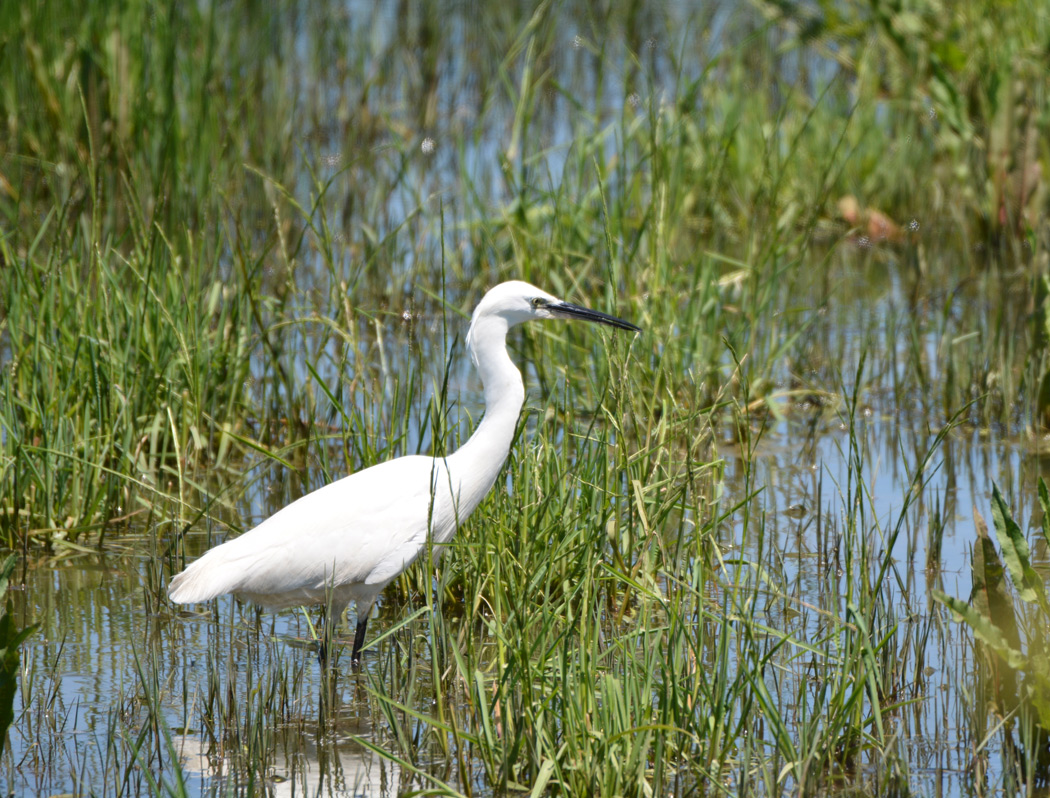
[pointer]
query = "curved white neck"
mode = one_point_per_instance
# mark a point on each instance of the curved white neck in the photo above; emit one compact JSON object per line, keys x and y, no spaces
{"x":476,"y":464}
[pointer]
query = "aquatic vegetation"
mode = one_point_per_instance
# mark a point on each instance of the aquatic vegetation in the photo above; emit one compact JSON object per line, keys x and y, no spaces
{"x":239,"y":245}
{"x":11,"y":639}
{"x":1012,"y":628}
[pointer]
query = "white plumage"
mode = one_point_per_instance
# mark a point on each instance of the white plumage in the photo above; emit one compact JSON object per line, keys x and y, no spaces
{"x":346,"y":541}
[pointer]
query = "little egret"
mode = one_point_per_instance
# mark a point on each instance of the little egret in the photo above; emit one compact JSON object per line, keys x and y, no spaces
{"x":348,"y":540}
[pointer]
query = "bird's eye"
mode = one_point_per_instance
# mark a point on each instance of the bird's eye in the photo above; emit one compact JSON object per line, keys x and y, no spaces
{"x":538,"y":302}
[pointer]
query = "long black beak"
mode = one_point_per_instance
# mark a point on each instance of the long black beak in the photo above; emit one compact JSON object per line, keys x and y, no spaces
{"x":564,"y":309}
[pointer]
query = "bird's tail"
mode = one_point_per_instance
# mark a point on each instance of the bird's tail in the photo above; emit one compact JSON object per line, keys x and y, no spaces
{"x":197,"y":583}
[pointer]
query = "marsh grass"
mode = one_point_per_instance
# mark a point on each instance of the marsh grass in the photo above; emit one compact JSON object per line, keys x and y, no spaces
{"x":230,"y":271}
{"x":584,"y":674}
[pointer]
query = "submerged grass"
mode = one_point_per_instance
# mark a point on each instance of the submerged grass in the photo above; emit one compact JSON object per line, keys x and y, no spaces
{"x":237,"y":250}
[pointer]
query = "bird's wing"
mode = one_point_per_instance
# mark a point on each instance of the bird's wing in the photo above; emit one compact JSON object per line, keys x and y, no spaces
{"x":352,"y":531}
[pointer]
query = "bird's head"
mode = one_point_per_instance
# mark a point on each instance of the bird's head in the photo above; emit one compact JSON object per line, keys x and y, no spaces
{"x":515,"y":302}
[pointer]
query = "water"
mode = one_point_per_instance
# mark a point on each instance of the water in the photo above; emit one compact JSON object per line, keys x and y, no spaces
{"x":97,"y":620}
{"x":105,"y":644}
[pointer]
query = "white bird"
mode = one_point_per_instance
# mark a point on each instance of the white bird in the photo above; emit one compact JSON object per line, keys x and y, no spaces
{"x":348,"y":540}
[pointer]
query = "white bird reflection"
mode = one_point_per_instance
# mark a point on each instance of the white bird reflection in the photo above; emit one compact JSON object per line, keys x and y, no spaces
{"x":341,"y":769}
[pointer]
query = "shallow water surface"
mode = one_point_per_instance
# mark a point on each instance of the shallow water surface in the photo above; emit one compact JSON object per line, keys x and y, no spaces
{"x":104,"y":642}
{"x":408,"y":119}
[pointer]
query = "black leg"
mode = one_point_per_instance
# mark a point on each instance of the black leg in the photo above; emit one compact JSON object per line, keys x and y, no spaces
{"x":322,"y":652}
{"x":326,"y":627}
{"x":359,"y":641}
